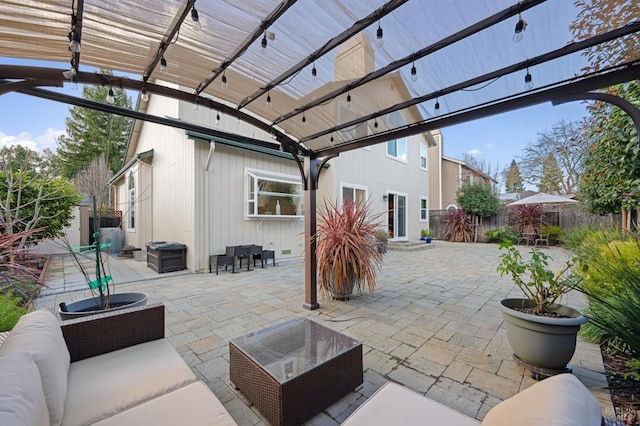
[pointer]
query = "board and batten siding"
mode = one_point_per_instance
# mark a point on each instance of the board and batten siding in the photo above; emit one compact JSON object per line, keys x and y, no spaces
{"x":229,"y":222}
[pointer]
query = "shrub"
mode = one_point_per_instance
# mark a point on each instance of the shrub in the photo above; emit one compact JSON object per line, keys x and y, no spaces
{"x":612,"y":287}
{"x":553,"y":232}
{"x":502,"y":234}
{"x":458,"y":226}
{"x":573,"y":240}
{"x":525,"y":218}
{"x":11,"y":309}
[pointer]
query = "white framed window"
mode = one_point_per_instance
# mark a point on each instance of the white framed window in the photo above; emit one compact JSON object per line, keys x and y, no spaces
{"x":423,"y":156}
{"x":424,"y":209}
{"x":397,"y":148}
{"x":273,"y":195}
{"x":353,"y":193}
{"x":131,"y":187}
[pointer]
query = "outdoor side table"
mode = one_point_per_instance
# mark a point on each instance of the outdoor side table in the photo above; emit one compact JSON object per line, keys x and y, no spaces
{"x":293,"y":370}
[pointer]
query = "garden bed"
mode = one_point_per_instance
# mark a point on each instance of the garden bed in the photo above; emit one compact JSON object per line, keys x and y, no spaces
{"x":625,"y":390}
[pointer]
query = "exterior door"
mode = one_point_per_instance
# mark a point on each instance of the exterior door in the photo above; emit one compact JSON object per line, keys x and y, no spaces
{"x":397,"y":216}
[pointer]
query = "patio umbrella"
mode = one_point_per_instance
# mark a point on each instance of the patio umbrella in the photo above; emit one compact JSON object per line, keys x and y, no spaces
{"x":543,"y":198}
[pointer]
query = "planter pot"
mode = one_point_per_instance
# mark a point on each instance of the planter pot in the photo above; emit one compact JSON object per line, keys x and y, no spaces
{"x":541,"y":341}
{"x":89,"y":306}
{"x":344,"y":290}
{"x":428,"y":240}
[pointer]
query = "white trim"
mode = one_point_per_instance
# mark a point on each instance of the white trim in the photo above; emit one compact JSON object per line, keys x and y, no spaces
{"x":257,"y":174}
{"x":406,"y":215}
{"x":355,"y":187}
{"x":426,"y":219}
{"x":426,"y":156}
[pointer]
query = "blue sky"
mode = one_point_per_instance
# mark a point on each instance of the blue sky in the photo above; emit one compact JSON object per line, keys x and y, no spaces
{"x":36,"y":123}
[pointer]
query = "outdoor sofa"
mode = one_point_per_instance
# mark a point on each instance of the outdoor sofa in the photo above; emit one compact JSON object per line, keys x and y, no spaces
{"x":560,"y":400}
{"x":113,"y":368}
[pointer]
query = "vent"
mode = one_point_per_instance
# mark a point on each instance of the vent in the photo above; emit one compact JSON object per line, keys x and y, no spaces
{"x":286,"y":252}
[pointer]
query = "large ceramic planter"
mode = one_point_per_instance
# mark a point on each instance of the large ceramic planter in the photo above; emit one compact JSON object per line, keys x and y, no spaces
{"x":541,"y":341}
{"x":90,"y":306}
{"x":344,"y":290}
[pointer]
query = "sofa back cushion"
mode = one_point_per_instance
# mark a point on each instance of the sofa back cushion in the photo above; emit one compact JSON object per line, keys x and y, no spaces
{"x":21,"y":396}
{"x":38,"y":333}
{"x":560,"y":400}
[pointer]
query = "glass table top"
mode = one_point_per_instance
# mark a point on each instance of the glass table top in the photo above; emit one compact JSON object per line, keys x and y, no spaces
{"x":291,"y":348}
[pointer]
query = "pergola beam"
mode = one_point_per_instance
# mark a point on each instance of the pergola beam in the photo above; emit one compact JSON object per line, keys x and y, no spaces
{"x":326,"y":48}
{"x":555,"y":54}
{"x":266,"y":23}
{"x":441,"y":44}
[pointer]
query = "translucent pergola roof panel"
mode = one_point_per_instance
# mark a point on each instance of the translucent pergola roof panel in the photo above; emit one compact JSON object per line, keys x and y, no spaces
{"x":462,"y":52}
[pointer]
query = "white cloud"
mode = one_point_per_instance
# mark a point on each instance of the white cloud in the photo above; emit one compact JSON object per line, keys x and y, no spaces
{"x":489,"y":146}
{"x":37,"y":143}
{"x":474,"y":152}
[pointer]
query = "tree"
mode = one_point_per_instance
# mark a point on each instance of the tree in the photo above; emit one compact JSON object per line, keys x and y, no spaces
{"x":605,"y":16}
{"x":513,"y":179}
{"x":31,"y":197}
{"x":551,"y":176}
{"x":481,"y":165}
{"x":93,"y":179}
{"x":611,"y":178}
{"x":92,"y":133}
{"x":479,"y":200}
{"x":565,"y":143}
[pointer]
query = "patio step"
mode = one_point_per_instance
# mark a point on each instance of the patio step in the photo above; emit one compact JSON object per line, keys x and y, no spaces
{"x":410,"y":245}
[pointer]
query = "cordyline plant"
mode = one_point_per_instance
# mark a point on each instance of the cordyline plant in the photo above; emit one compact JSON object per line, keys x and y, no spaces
{"x":347,"y":250}
{"x":538,"y":283}
{"x":458,"y":227}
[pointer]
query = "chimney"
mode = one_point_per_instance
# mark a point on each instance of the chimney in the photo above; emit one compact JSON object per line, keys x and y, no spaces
{"x":354,"y":59}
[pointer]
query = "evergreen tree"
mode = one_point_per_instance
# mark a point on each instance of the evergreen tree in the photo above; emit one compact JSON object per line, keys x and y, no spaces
{"x":551,"y":176}
{"x":513,"y":179}
{"x":92,"y":133}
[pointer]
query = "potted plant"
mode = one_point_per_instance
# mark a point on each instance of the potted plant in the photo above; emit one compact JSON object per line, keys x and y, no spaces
{"x":426,"y":235}
{"x":541,"y":332}
{"x":347,"y":250}
{"x":101,"y":287}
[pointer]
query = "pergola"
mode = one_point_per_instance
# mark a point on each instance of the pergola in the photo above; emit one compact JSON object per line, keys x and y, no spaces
{"x":264,"y":61}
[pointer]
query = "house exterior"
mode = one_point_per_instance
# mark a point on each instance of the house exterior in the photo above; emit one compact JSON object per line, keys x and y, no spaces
{"x":208,"y":192}
{"x":446,"y":176}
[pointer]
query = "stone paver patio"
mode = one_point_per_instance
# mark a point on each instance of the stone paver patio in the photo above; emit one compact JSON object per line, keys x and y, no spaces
{"x":432,"y":325}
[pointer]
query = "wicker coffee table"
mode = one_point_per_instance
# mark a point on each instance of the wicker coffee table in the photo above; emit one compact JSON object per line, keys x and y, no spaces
{"x":293,"y":370}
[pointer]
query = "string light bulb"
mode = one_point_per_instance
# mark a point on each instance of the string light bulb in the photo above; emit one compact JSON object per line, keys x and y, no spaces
{"x":268,"y":99}
{"x":314,"y":71}
{"x":375,"y":123}
{"x":217,"y":117}
{"x":414,"y":73}
{"x":348,"y":100}
{"x":144,"y":96}
{"x":264,"y":42}
{"x":436,"y":109}
{"x":521,"y":26}
{"x":528,"y":80}
{"x":163,"y":66}
{"x":110,"y":98}
{"x":379,"y":36}
{"x":195,"y":18}
{"x":224,"y":80}
{"x":74,"y":42}
{"x":304,"y":120}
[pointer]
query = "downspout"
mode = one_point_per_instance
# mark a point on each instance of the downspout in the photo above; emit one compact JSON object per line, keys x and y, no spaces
{"x":207,"y":208}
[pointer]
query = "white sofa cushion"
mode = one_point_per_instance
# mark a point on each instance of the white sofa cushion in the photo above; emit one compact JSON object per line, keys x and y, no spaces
{"x":104,"y":385}
{"x":21,"y":397}
{"x":560,"y":400}
{"x":193,"y":405}
{"x":393,"y":404}
{"x":39,"y":334}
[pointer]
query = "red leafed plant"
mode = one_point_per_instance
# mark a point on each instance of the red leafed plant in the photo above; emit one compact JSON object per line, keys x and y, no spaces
{"x":347,"y":251}
{"x":458,"y":226}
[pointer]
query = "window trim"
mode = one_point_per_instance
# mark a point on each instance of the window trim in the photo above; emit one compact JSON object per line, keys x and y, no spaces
{"x":355,"y":187}
{"x":258,"y":174}
{"x":426,"y":209}
{"x":426,"y":157}
{"x":131,"y":202}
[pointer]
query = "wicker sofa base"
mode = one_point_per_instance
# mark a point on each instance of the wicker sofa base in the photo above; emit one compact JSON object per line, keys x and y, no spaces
{"x":302,"y":397}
